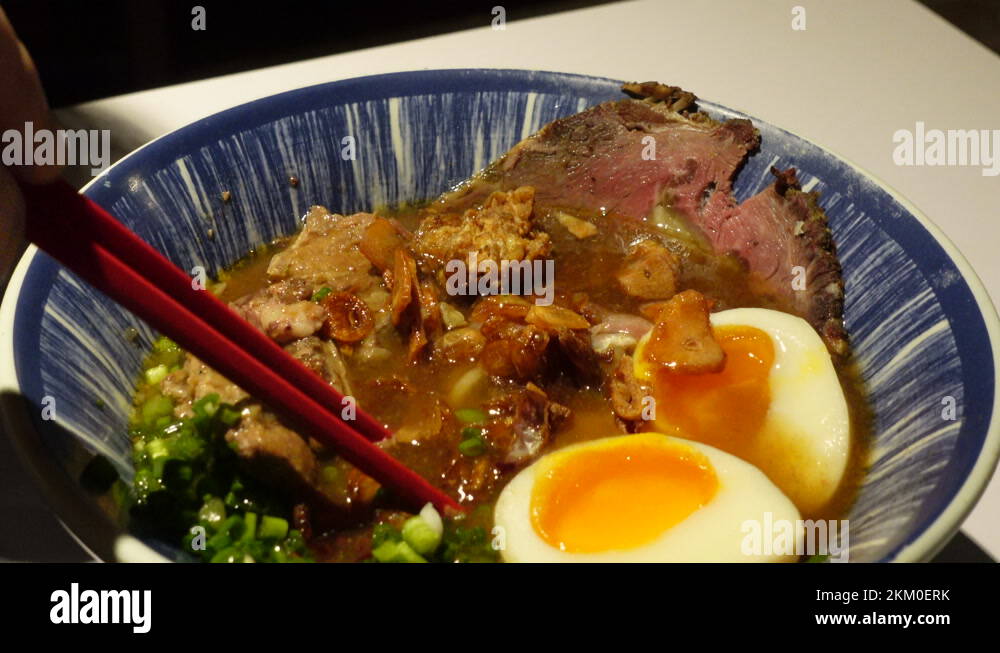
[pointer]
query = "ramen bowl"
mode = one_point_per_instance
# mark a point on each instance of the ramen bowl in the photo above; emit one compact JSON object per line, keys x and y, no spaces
{"x":922,"y":328}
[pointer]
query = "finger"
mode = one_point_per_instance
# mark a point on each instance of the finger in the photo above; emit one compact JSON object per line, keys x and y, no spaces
{"x":22,"y":99}
{"x":11,"y":223}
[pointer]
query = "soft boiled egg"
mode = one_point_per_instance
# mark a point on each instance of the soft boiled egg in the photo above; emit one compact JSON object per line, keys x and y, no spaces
{"x":777,"y":403}
{"x":645,"y":497}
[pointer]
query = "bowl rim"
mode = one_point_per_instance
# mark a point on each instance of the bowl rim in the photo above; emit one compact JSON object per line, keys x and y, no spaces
{"x":62,"y":495}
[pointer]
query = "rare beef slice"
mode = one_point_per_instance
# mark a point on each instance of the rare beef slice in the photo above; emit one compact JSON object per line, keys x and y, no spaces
{"x":654,"y":155}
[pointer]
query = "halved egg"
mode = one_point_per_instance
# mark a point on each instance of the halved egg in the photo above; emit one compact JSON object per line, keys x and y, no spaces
{"x":645,"y":497}
{"x":777,"y":403}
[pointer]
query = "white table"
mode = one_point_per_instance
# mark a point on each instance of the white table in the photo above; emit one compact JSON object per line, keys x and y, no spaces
{"x":861,"y":70}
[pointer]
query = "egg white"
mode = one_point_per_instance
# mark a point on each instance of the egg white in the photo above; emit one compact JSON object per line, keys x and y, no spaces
{"x":713,"y":533}
{"x":805,"y":441}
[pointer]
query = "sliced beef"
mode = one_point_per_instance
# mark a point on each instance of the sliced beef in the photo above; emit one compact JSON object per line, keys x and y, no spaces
{"x":604,"y":160}
{"x":673,"y":97}
{"x":623,"y":157}
{"x":782,"y":233}
{"x":326,"y":253}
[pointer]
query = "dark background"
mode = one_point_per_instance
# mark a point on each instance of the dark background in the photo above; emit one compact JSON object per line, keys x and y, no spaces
{"x":89,"y":50}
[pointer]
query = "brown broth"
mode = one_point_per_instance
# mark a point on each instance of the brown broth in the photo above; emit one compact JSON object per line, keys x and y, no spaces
{"x":724,"y":278}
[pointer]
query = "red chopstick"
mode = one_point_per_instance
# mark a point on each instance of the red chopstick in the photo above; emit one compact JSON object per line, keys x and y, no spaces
{"x":87,"y":240}
{"x":139,"y":255}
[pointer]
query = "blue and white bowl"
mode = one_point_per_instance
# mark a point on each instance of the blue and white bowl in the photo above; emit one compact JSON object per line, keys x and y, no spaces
{"x":920,"y":321}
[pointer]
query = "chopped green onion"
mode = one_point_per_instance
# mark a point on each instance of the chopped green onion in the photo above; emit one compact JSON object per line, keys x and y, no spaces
{"x":156,"y":374}
{"x":396,"y":552}
{"x":251,"y":526}
{"x":321,"y":293}
{"x":206,"y":406}
{"x":232,"y":554}
{"x":228,"y":415}
{"x":157,"y":449}
{"x":272,"y":528}
{"x":218,"y":541}
{"x":230,"y":524}
{"x":420,"y":535}
{"x":471,"y":432}
{"x":186,"y":446}
{"x":164,"y":344}
{"x":472,"y":446}
{"x":156,"y":408}
{"x":470,"y":415}
{"x":212,"y":512}
{"x":385,"y":533}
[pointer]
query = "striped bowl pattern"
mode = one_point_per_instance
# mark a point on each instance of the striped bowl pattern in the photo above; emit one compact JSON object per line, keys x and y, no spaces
{"x":921,"y":333}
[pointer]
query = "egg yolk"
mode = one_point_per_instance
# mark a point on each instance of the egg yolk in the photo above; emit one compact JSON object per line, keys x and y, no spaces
{"x":725,"y":409}
{"x":619,"y":495}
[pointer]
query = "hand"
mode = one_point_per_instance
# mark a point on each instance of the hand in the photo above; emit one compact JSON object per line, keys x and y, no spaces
{"x":22,"y":101}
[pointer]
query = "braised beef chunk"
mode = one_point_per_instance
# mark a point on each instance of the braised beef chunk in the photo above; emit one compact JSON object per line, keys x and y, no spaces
{"x":624,"y":390}
{"x":577,"y":356}
{"x":326,"y":253}
{"x":524,"y":423}
{"x":524,"y":341}
{"x":272,"y":451}
{"x":323,"y":358}
{"x":195,"y":380}
{"x":282,"y":310}
{"x":502,"y":229}
{"x":269,"y":450}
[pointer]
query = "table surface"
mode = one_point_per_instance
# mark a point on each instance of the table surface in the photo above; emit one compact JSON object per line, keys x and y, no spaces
{"x":859,"y":71}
